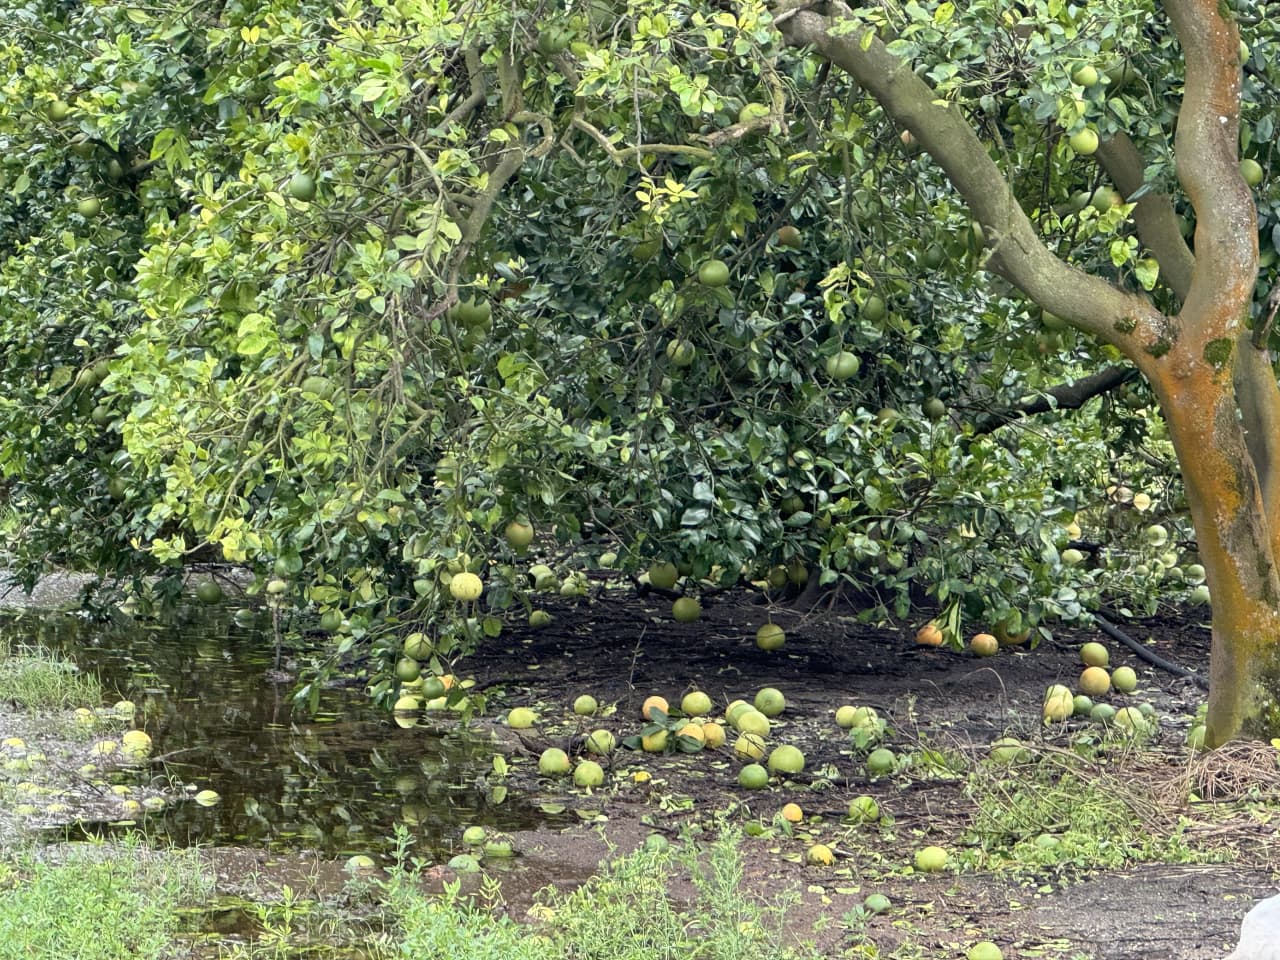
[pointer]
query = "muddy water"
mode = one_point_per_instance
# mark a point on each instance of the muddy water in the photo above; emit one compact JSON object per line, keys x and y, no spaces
{"x":337,"y":782}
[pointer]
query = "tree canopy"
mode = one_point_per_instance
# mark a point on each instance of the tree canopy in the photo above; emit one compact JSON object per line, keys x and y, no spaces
{"x":337,"y":291}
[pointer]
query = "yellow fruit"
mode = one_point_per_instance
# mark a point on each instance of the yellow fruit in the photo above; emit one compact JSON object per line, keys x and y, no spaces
{"x":749,"y":746}
{"x":1059,"y":704}
{"x":588,"y":773}
{"x":681,"y":353}
{"x":929,"y":635}
{"x":654,"y":703}
{"x":519,"y":534}
{"x":686,"y":610}
{"x":59,"y":110}
{"x":770,"y":637}
{"x":553,"y":761}
{"x":713,"y":735}
{"x":693,"y":731}
{"x":600,"y":742}
{"x":521,"y":718}
{"x":1094,"y":682}
{"x":734,"y":710}
{"x":1084,"y":142}
{"x":845,"y":716}
{"x":786,"y":759}
{"x":654,"y":742}
{"x":931,"y":859}
{"x":1124,"y":679}
{"x":819,"y":855}
{"x":696,"y":704}
{"x":465,"y":587}
{"x":984,"y":645}
{"x":792,"y":813}
{"x":770,"y":701}
{"x":585,"y":705}
{"x":753,"y":721}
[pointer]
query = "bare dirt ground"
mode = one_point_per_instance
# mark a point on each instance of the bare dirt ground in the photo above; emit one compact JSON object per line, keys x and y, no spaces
{"x":626,"y":648}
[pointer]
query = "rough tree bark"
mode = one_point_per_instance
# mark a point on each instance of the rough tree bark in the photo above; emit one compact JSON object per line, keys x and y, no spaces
{"x":1217,"y":389}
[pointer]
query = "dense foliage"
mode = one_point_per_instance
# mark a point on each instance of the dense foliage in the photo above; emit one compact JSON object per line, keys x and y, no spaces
{"x":337,"y":290}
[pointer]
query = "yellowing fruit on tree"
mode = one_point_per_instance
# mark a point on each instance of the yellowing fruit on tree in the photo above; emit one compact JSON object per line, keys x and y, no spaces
{"x":465,"y":587}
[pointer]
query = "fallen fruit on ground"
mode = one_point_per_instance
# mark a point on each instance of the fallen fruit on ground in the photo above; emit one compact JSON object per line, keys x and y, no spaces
{"x":881,"y":761}
{"x":1132,"y":721}
{"x":600,"y":742}
{"x":359,"y":864}
{"x":1094,"y":654}
{"x":713,"y":735}
{"x":1094,"y":682}
{"x":876,"y":903}
{"x":1059,"y":703}
{"x":770,"y":701}
{"x":753,"y":777}
{"x":930,"y":635}
{"x":654,"y":742}
{"x":696,"y":704}
{"x":753,"y":721}
{"x":1124,"y":679}
{"x":588,"y":773}
{"x":819,"y":855}
{"x":585,"y":705}
{"x":652,"y":704}
{"x":656,"y":843}
{"x":474,"y":836}
{"x":1102,"y":712}
{"x":663,"y":575}
{"x":786,"y":759}
{"x":864,"y":809}
{"x":686,"y":610}
{"x":1082,"y":705}
{"x":845,"y":716}
{"x":931,"y":859}
{"x":984,"y":950}
{"x":792,"y":813}
{"x":770,"y":637}
{"x":1009,"y":750}
{"x":692,"y":730}
{"x":553,"y":761}
{"x":749,"y":746}
{"x":984,"y":644}
{"x":521,"y":718}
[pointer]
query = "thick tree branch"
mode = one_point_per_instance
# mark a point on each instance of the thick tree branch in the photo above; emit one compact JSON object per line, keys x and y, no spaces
{"x":1206,"y":145}
{"x":1153,"y":214}
{"x":1065,"y":396}
{"x":1015,"y":251}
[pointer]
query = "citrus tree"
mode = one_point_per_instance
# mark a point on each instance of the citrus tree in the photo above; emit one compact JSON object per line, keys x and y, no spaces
{"x":360,"y":296}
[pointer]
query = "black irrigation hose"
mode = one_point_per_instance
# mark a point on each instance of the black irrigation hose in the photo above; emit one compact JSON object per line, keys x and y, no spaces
{"x":1115,"y":633}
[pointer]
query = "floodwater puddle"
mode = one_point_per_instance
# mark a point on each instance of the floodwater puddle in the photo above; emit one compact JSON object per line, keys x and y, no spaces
{"x":337,"y":782}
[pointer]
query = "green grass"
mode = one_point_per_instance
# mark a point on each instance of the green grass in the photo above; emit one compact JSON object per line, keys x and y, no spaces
{"x":623,"y":913}
{"x":100,"y":903}
{"x":34,"y":680}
